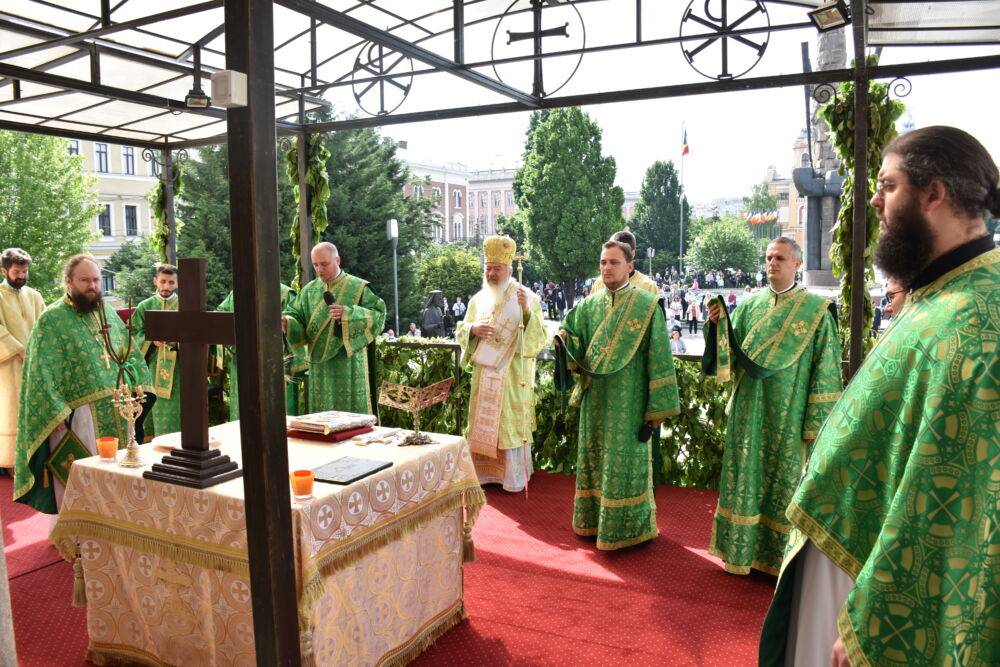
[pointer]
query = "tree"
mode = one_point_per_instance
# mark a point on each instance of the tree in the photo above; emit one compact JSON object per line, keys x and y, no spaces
{"x":656,"y":222}
{"x":513,"y":226}
{"x":568,"y":193}
{"x":452,"y":268}
{"x":366,"y":184}
{"x":46,"y":205}
{"x":134,"y":267}
{"x":205,"y":212}
{"x":726,"y":244}
{"x":760,"y":200}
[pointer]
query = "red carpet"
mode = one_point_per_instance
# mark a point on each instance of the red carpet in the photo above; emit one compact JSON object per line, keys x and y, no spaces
{"x":536,"y":595}
{"x":539,"y":595}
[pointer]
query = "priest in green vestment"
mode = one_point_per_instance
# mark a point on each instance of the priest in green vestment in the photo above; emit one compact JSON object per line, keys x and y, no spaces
{"x":901,"y":499}
{"x":67,"y":383}
{"x":617,"y":340}
{"x":336,"y":334}
{"x":295,"y":367}
{"x":502,"y":333}
{"x":782,"y":353}
{"x":161,"y":356}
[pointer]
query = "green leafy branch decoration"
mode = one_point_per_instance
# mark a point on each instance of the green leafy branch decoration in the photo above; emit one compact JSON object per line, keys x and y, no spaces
{"x":883,"y":112}
{"x":318,"y":180}
{"x":160,"y":238}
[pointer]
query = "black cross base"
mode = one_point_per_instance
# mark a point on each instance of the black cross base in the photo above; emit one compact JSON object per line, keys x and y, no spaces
{"x":194,"y":468}
{"x":194,"y":464}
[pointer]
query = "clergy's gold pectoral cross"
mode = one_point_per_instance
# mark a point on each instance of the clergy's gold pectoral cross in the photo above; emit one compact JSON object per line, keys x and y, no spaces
{"x":107,"y":359}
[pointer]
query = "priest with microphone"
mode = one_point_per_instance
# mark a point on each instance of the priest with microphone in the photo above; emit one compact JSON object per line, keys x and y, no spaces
{"x":337,"y":316}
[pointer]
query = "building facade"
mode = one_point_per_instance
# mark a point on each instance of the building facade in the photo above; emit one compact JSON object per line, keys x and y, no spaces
{"x":491,"y":192}
{"x":124,"y":181}
{"x":448,"y":183}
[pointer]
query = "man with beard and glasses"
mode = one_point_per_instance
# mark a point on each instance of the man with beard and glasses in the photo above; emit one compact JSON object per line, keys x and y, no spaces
{"x":161,"y":356}
{"x":893,"y":558}
{"x":502,"y":356}
{"x":781,"y":351}
{"x":616,"y":339}
{"x":66,"y":388}
{"x":20,"y":306}
{"x":895,"y":295}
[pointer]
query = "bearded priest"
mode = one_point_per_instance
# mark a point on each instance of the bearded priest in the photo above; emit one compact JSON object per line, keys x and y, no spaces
{"x":502,"y":358}
{"x":66,"y":387}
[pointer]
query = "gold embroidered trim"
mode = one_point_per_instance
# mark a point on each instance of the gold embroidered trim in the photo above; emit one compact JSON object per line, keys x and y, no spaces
{"x":852,"y":645}
{"x":824,"y":541}
{"x":585,"y":532}
{"x":611,"y":546}
{"x":612,"y":502}
{"x":758,"y":519}
{"x":662,"y":382}
{"x":828,"y":397}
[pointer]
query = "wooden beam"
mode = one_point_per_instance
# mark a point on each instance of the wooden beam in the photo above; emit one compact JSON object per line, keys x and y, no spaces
{"x":253,"y":212}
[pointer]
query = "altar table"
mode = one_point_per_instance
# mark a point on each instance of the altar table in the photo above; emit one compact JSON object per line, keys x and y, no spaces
{"x":378,"y":563}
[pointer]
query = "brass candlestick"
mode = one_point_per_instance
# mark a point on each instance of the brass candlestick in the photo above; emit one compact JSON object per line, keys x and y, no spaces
{"x":128,"y":402}
{"x":130,"y":407}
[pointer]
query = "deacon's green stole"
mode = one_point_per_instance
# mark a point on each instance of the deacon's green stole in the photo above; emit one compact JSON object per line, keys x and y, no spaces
{"x":781,"y":328}
{"x":627,"y":314}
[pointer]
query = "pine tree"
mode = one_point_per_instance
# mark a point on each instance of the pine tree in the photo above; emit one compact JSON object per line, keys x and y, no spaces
{"x":366,"y":191}
{"x":656,"y":222}
{"x":567,"y":190}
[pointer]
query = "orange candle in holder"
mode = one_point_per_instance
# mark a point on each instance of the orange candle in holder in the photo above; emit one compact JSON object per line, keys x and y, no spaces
{"x":302,"y":484}
{"x":107,"y":449}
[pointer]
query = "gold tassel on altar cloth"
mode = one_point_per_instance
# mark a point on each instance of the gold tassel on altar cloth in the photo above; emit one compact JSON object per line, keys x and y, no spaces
{"x":79,"y":586}
{"x":472,"y":501}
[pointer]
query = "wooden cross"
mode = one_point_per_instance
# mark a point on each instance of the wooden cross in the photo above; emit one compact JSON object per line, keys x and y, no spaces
{"x":194,"y":329}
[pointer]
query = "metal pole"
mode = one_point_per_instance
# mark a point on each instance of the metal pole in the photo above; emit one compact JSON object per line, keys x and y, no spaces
{"x":860,"y":222}
{"x":168,"y":205}
{"x":395,"y":284}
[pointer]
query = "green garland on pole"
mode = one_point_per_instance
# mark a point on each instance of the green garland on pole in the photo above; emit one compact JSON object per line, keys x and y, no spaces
{"x":318,"y":180}
{"x":160,"y":237}
{"x":883,"y":112}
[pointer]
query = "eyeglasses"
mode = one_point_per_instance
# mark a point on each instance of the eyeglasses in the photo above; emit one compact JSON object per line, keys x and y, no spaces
{"x":892,"y":295}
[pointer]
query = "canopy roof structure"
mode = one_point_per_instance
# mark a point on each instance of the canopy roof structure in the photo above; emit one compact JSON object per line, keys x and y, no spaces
{"x":120,"y":69}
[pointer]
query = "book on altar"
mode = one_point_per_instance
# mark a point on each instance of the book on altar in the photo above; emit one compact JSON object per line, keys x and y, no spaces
{"x":330,"y":421}
{"x":348,"y":469}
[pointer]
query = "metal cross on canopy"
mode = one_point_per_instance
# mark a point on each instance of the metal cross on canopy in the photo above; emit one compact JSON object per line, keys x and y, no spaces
{"x":194,"y":463}
{"x":536,"y":35}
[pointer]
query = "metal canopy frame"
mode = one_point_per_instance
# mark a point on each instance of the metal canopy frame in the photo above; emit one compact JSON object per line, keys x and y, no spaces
{"x":119,"y":72}
{"x":55,"y":78}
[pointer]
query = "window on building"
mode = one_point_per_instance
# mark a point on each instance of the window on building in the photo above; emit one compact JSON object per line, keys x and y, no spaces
{"x":438,"y":233}
{"x":482,"y":200}
{"x":131,"y":220}
{"x":104,"y":221}
{"x":510,"y":199}
{"x":458,"y":198}
{"x":151,"y":168}
{"x":437,"y":196}
{"x":107,"y":281}
{"x":101,"y":158}
{"x":128,"y":159}
{"x":496,"y":200}
{"x":496,"y":219}
{"x":74,"y":147}
{"x":783,"y":198}
{"x":456,"y":229}
{"x":418,"y":190}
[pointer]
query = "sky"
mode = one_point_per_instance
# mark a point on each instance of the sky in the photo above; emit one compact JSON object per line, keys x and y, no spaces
{"x":733,"y":137}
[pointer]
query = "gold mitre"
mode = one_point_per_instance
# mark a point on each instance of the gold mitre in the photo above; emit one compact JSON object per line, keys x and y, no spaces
{"x":500,"y":249}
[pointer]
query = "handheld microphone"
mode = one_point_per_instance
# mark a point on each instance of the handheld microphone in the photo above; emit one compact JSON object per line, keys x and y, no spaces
{"x":328,"y":298}
{"x":646,"y":432}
